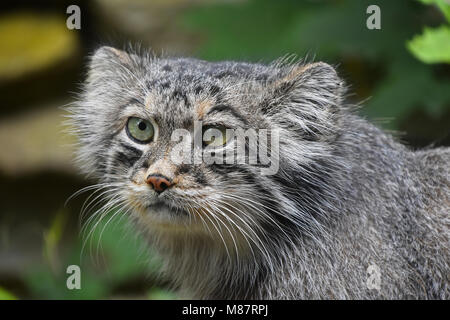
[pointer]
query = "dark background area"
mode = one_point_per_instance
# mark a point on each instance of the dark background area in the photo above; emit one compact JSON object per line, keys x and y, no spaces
{"x":42,"y":64}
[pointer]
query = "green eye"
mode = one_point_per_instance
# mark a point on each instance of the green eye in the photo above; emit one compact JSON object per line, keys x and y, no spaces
{"x":215,"y":136}
{"x":140,"y":130}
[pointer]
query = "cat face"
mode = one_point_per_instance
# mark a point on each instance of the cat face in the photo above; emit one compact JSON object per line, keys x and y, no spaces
{"x":134,"y":107}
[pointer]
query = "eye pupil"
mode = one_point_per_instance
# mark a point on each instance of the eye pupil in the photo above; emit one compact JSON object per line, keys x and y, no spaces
{"x":139,"y":130}
{"x":142,"y":126}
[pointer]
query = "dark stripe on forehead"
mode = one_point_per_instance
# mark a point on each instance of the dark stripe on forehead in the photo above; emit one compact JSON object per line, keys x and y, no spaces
{"x":179,"y":94}
{"x":213,"y":90}
{"x":198,"y":89}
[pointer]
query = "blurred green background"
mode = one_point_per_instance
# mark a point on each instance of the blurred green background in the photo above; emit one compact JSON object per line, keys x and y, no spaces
{"x":401,"y":73}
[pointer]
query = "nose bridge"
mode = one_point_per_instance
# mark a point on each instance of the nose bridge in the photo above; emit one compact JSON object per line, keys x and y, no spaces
{"x":163,"y":167}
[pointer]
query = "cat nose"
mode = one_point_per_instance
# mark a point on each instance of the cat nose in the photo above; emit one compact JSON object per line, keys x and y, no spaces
{"x":158,"y":182}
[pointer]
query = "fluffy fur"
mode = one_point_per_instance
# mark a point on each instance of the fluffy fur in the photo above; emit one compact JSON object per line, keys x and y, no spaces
{"x":347,"y":195}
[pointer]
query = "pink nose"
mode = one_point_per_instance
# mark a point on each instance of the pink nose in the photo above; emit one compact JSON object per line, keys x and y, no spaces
{"x":158,"y":182}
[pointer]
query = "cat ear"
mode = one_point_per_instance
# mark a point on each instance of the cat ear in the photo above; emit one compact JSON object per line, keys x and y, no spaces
{"x":110,"y":53}
{"x":307,"y":97}
{"x":108,"y":60}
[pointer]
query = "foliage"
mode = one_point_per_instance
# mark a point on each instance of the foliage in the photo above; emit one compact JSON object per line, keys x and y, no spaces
{"x":110,"y":254}
{"x":6,"y":295}
{"x":30,"y":42}
{"x":433,"y":45}
{"x":334,"y":31}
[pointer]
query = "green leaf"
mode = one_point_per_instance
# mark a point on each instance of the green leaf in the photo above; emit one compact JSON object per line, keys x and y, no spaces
{"x":442,"y":5}
{"x":6,"y":295}
{"x":52,"y":237}
{"x":432,"y":46}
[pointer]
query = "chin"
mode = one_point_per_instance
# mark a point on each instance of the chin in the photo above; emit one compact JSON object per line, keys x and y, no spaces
{"x":166,"y":218}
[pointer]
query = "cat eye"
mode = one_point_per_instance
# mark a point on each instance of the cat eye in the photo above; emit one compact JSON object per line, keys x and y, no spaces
{"x":140,"y":130}
{"x":215,"y":136}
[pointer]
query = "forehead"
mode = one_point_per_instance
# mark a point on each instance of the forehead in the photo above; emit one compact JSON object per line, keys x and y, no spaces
{"x":184,"y":88}
{"x":190,"y":75}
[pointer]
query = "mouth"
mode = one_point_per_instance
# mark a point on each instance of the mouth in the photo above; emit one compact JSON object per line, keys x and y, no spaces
{"x":166,"y":211}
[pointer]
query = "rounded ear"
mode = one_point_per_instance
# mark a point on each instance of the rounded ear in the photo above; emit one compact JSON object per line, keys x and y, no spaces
{"x":319,"y":77}
{"x":307,"y":97}
{"x":106,"y":53}
{"x":107,"y":61}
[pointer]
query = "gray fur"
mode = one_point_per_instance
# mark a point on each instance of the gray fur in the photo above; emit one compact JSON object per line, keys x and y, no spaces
{"x":347,"y":195}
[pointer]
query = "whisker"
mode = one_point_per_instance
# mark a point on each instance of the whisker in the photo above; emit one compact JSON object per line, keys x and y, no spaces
{"x":231,"y":234}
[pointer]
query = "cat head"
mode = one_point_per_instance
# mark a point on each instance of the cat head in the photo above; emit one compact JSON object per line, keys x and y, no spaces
{"x":133,"y":104}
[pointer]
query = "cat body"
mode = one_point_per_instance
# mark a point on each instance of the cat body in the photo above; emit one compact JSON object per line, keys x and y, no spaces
{"x":350,"y":212}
